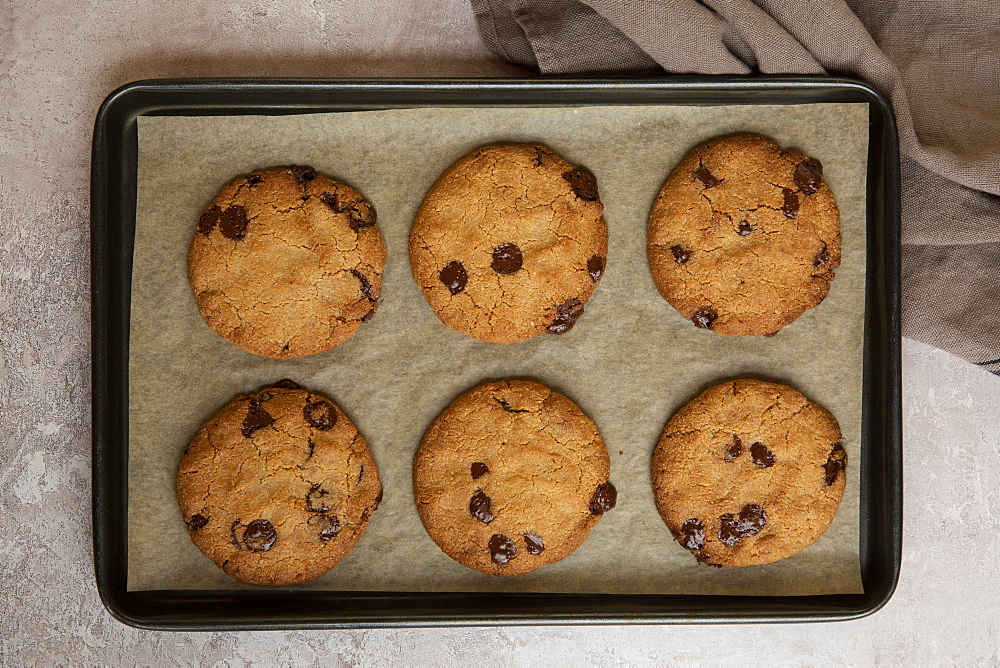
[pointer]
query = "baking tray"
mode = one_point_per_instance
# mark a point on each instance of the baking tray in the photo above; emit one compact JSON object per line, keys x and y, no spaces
{"x":113,"y":196}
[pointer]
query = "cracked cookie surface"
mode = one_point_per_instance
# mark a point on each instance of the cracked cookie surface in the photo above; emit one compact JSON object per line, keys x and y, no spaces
{"x":744,"y":237}
{"x":510,"y":243}
{"x":510,"y":477}
{"x":749,"y":472}
{"x":287,"y":262}
{"x":278,"y":486}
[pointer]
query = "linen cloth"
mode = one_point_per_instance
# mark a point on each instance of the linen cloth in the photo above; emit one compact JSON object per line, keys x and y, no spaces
{"x":937,"y":61}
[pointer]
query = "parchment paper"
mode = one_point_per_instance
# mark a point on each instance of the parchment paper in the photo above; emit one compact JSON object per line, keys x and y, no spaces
{"x":630,"y":362}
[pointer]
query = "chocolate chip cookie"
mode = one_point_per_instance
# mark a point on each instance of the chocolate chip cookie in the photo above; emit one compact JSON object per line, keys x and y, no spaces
{"x":510,"y":243}
{"x":286,"y":262}
{"x":510,"y":477}
{"x":748,"y":473}
{"x":278,"y":486}
{"x":744,"y":237}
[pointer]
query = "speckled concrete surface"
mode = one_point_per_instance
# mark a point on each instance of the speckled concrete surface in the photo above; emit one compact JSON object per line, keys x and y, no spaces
{"x":58,"y":59}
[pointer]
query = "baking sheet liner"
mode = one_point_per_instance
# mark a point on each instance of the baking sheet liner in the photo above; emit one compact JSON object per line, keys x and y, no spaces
{"x":630,"y":362}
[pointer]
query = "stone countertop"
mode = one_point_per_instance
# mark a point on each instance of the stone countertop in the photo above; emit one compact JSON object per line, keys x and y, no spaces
{"x":58,"y":60}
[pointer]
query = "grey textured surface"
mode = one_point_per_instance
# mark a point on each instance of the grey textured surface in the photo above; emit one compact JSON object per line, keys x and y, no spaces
{"x":58,"y":59}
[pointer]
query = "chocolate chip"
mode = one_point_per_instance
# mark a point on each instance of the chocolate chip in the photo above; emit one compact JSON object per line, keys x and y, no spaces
{"x":371,"y":314}
{"x":479,"y":469}
{"x":504,"y":404}
{"x":808,"y":175}
{"x":209,"y":220}
{"x":372,"y":508}
{"x":288,"y":384}
{"x":595,"y":266}
{"x":257,"y":418}
{"x":822,"y":257}
{"x":303,"y":173}
{"x":761,"y":455}
{"x":583,"y":182}
{"x":197,"y":521}
{"x":233,"y":223}
{"x":743,"y":228}
{"x":253,"y":180}
{"x":681,"y":254}
{"x":259,"y":536}
{"x":567,"y":314}
{"x":533,"y":543}
{"x":693,"y":534}
{"x":366,"y":285}
{"x":735,"y":449}
{"x":507,"y":259}
{"x":320,"y":414}
{"x":327,"y":526}
{"x":835,"y":463}
{"x":790,"y":206}
{"x":362,"y":216}
{"x":750,"y":521}
{"x":604,"y":499}
{"x":704,"y":317}
{"x":707,"y":178}
{"x":314,"y":504}
{"x":479,"y":507}
{"x":502,"y":549}
{"x":332,"y":201}
{"x":454,"y":277}
{"x":264,"y":396}
{"x":539,"y":153}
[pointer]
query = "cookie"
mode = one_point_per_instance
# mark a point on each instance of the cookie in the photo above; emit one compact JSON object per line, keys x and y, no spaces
{"x":286,"y":262}
{"x":510,"y":243}
{"x":510,"y":477}
{"x":278,"y":486}
{"x":748,"y":473}
{"x":744,"y":237}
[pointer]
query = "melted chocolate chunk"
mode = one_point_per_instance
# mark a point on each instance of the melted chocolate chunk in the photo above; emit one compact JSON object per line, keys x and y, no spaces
{"x":478,"y":470}
{"x":253,"y":180}
{"x":835,"y":463}
{"x":320,"y":414}
{"x":567,"y":314}
{"x":265,"y":396}
{"x":454,"y":277}
{"x":366,"y":285}
{"x":537,"y":160}
{"x":303,"y":173}
{"x":693,"y":534}
{"x":595,"y":266}
{"x":479,"y":507}
{"x":761,"y":455}
{"x":326,"y":526}
{"x":790,"y":205}
{"x":681,"y":254}
{"x":209,"y":220}
{"x":288,"y":384}
{"x":502,"y":549}
{"x":362,"y":216}
{"x":233,"y":223}
{"x":260,"y":536}
{"x":735,"y":449}
{"x":197,"y":521}
{"x":704,"y":317}
{"x":822,"y":257}
{"x":750,"y":521}
{"x":707,"y":178}
{"x":533,"y":543}
{"x":507,"y":259}
{"x":257,"y":418}
{"x":314,"y":502}
{"x":743,"y":228}
{"x":583,"y":182}
{"x":808,"y":175}
{"x":372,"y":508}
{"x":332,"y":201}
{"x":371,"y":314}
{"x":604,"y":499}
